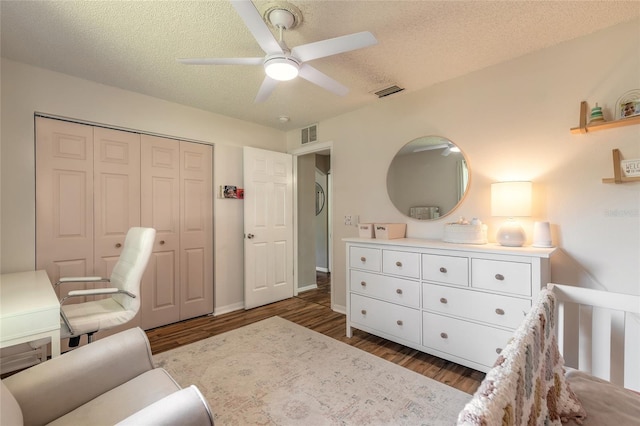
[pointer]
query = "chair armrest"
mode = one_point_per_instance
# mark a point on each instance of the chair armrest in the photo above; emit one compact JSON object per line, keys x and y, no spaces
{"x":186,"y":407}
{"x":66,"y":280}
{"x":95,"y":292}
{"x":60,"y":385}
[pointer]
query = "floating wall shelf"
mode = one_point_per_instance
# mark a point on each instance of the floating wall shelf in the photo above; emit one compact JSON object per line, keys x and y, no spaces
{"x":617,"y":173}
{"x":601,"y":125}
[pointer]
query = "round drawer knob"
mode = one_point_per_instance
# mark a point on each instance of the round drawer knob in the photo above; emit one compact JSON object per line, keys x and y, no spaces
{"x":499,"y":277}
{"x":500,"y":311}
{"x":161,"y":242}
{"x":498,"y":351}
{"x":363,"y":312}
{"x":118,"y":245}
{"x":399,"y":264}
{"x":443,"y":270}
{"x":363,"y":283}
{"x":443,"y":300}
{"x":363,"y":259}
{"x":399,"y":322}
{"x":399,"y":291}
{"x":444,"y":335}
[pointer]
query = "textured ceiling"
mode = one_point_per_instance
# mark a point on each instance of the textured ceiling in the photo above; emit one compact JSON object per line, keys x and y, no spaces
{"x":133,"y":45}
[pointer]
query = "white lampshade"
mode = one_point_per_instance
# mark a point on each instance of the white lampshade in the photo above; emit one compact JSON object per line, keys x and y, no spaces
{"x":511,"y":199}
{"x":281,"y":68}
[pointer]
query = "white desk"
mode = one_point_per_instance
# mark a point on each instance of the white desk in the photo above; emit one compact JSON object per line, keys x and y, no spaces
{"x":29,"y":310}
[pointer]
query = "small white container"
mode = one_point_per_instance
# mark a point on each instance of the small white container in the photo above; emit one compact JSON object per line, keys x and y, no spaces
{"x":390,"y":231}
{"x":465,"y":234}
{"x":366,"y":230}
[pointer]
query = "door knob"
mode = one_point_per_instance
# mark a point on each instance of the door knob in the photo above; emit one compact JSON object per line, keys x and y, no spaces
{"x":250,"y":236}
{"x":118,"y":245}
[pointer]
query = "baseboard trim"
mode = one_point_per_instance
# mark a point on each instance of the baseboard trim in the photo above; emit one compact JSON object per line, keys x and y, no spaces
{"x":229,"y":308}
{"x":307,"y":288}
{"x":340,"y":309}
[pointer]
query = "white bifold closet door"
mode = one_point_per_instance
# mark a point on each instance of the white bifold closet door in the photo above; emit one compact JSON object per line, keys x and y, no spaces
{"x":87,"y":197}
{"x":177,"y":202}
{"x":93,"y":184}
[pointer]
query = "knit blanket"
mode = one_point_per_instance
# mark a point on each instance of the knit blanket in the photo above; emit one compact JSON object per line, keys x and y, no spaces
{"x":527,"y":385}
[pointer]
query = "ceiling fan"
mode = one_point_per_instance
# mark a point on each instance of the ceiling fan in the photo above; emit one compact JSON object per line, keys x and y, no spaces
{"x":280,"y":62}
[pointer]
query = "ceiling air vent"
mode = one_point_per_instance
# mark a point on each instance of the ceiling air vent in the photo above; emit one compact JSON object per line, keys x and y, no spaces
{"x":388,"y":91}
{"x":309,"y":134}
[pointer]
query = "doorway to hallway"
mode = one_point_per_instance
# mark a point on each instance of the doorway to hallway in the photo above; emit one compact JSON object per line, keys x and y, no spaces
{"x":312,"y":192}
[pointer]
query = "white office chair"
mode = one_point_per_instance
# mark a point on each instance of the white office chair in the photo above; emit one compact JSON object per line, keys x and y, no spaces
{"x":124,"y":303}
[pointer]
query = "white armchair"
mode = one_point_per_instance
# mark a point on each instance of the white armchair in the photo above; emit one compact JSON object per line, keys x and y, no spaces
{"x":112,"y":381}
{"x":124,"y":301}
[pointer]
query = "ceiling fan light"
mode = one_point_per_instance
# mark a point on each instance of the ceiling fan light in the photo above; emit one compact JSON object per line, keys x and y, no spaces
{"x":281,"y":69}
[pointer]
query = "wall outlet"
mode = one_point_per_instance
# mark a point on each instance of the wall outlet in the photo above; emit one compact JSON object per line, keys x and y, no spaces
{"x":351,"y":220}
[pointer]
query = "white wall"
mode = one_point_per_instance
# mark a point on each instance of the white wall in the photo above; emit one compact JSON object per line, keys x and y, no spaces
{"x":512,"y":121}
{"x":27,"y":89}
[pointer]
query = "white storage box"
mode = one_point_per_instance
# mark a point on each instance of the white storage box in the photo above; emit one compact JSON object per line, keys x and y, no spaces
{"x":366,"y":230}
{"x":390,"y":231}
{"x":465,"y":234}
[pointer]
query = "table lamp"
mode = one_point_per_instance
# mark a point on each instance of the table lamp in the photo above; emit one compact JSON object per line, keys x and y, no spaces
{"x":511,"y":199}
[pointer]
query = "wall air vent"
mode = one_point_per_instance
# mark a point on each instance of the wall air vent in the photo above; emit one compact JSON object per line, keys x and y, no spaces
{"x":309,"y":134}
{"x":388,"y":91}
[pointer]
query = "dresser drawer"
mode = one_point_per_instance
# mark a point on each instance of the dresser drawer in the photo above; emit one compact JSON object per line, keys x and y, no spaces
{"x":395,"y":290}
{"x":495,"y":309}
{"x":401,"y":263}
{"x":365,"y":258}
{"x":477,"y":343}
{"x":445,"y":269}
{"x":389,"y":318}
{"x":505,"y":277}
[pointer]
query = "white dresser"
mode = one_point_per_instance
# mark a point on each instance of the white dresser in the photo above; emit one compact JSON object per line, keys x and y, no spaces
{"x":460,"y":302}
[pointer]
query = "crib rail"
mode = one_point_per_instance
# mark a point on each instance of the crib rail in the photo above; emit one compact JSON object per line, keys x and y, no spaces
{"x":599,"y":332}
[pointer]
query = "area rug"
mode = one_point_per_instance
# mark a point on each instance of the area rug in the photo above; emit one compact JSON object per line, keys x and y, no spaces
{"x":275,"y":372}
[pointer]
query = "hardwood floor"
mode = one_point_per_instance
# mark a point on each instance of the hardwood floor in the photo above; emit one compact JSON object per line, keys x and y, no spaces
{"x":312,"y":309}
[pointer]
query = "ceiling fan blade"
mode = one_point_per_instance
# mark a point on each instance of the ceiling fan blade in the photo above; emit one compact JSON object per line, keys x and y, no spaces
{"x":221,"y":61}
{"x":257,"y":26}
{"x":321,"y":79}
{"x":333,"y":46}
{"x":267,"y":86}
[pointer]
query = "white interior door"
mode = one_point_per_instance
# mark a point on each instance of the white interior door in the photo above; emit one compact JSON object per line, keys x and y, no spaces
{"x":268,"y":227}
{"x":196,"y":236}
{"x":64,"y":199}
{"x":116,"y":194}
{"x":160,"y":209}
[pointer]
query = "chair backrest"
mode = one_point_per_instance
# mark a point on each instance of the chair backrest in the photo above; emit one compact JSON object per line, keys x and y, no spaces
{"x":127,"y":273}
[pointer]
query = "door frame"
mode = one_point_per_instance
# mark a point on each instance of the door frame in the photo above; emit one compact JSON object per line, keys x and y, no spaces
{"x":304,"y":150}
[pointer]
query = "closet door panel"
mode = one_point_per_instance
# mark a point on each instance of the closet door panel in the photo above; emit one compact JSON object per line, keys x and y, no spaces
{"x":196,"y":242}
{"x":116,"y":193}
{"x":64,"y":199}
{"x":160,"y":209}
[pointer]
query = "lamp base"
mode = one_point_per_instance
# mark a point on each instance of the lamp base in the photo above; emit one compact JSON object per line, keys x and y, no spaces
{"x":511,"y":234}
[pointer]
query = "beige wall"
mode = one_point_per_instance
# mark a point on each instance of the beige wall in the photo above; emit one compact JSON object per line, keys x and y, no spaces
{"x":512,"y":121}
{"x":26,"y":90}
{"x":306,"y":220}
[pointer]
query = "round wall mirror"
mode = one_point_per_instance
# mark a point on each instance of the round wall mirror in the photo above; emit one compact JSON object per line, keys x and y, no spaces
{"x":320,"y":198}
{"x":428,"y":178}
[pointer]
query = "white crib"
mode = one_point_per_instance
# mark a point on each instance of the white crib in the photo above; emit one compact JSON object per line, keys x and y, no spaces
{"x":599,"y":333}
